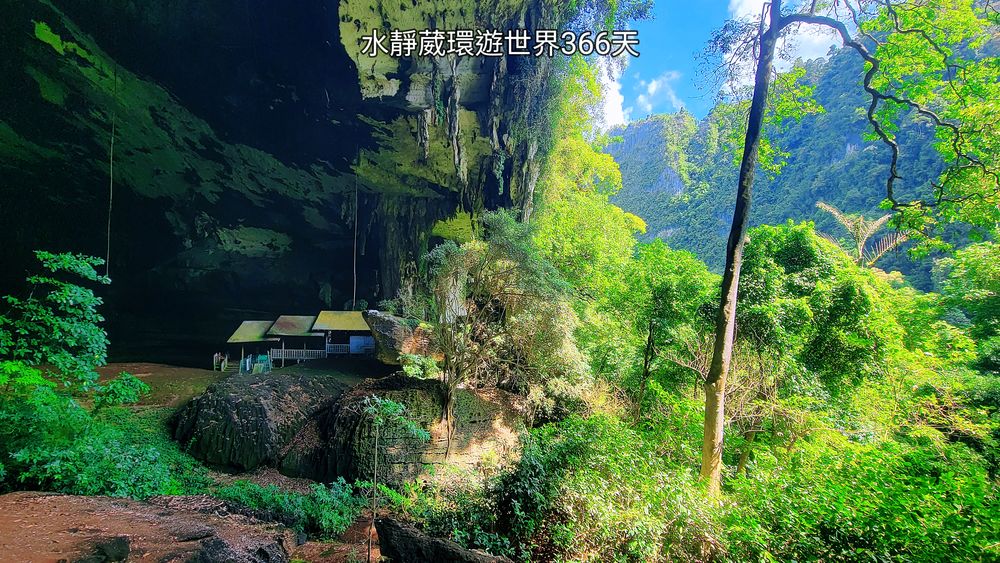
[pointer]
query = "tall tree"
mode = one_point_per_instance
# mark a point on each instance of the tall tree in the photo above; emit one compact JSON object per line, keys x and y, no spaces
{"x":919,"y":67}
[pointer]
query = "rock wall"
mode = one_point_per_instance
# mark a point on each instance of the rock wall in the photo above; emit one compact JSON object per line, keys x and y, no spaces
{"x":250,"y":137}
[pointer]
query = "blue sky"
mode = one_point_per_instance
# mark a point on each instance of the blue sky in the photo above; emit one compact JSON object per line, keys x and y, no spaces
{"x":665,"y":76}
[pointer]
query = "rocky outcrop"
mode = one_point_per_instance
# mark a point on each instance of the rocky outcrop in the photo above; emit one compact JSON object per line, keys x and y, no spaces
{"x":402,"y":542}
{"x":394,"y":336}
{"x":245,"y":420}
{"x":338,"y":441}
{"x":50,"y":527}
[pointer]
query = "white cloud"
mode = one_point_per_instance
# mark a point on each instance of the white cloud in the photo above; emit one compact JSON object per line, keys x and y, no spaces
{"x":658,"y":90}
{"x":612,"y":101}
{"x":745,"y":8}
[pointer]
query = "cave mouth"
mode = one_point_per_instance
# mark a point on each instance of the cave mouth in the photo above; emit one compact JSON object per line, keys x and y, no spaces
{"x":238,"y":127}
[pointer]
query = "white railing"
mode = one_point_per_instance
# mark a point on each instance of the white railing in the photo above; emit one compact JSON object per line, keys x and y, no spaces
{"x":293,"y":354}
{"x":338,"y":349}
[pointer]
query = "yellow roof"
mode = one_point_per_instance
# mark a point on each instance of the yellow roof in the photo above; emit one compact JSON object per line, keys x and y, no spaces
{"x":251,"y":331}
{"x":293,"y":325}
{"x":340,"y":320}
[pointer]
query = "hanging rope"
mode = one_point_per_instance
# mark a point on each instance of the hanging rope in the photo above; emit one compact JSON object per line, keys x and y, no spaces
{"x":354,"y":294}
{"x":111,"y":171}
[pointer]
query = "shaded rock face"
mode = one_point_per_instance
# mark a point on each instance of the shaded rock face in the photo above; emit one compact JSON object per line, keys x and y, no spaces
{"x":246,"y":420}
{"x":403,"y":543}
{"x":250,"y":137}
{"x":166,"y":529}
{"x":393,"y":336}
{"x":338,"y":441}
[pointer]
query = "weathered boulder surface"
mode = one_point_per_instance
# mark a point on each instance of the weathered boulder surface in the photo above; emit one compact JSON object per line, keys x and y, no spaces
{"x":245,"y":420}
{"x":402,"y":542}
{"x":338,"y":441}
{"x":393,"y":336}
{"x":50,"y":527}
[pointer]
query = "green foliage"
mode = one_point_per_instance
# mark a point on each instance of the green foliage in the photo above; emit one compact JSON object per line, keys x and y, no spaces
{"x":804,"y":298}
{"x":971,"y":283}
{"x":584,"y":488}
{"x":50,"y":442}
{"x":423,"y":367}
{"x":893,"y":501}
{"x":500,"y":314}
{"x":124,"y":389}
{"x":51,"y":343}
{"x":325,"y":511}
{"x":386,"y":412}
{"x":57,"y":325}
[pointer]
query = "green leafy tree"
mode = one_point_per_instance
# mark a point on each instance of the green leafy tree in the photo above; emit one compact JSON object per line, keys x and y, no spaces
{"x":500,"y":316}
{"x":51,"y":344}
{"x":915,"y":52}
{"x":58,"y":324}
{"x":971,"y":282}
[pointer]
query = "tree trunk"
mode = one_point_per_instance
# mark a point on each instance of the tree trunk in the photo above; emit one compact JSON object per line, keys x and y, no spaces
{"x":725,"y":327}
{"x":449,"y":416}
{"x":741,"y":466}
{"x":647,"y":360}
{"x":371,"y":528}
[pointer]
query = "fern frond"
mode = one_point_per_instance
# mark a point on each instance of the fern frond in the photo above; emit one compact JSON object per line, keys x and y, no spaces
{"x":830,"y":238}
{"x":872,"y":227}
{"x":884,"y":245}
{"x":841,"y":217}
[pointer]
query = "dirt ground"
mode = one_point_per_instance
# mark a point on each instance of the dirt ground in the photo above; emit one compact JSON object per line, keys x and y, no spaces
{"x":170,"y":386}
{"x":352,"y":547}
{"x":48,"y":528}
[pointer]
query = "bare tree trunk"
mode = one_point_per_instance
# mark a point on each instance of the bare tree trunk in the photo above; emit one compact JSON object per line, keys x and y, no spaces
{"x":449,"y":416}
{"x":725,"y":327}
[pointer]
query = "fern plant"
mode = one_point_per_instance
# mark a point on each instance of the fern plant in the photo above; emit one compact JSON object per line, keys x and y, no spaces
{"x":861,"y":230}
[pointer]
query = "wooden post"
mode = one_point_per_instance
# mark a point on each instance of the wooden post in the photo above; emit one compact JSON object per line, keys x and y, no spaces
{"x":240,"y":370}
{"x":282,"y":352}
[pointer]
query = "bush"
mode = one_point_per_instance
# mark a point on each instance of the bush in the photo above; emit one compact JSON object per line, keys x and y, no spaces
{"x":839,"y":501}
{"x":584,"y":488}
{"x":48,"y":441}
{"x":326,"y":511}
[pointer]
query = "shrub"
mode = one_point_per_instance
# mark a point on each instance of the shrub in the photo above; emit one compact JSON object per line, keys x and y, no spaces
{"x":839,"y":501}
{"x":584,"y":488}
{"x":326,"y":511}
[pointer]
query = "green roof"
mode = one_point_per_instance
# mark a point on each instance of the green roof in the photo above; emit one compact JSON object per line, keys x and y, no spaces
{"x":293,"y":325}
{"x":251,"y":331}
{"x":340,"y":320}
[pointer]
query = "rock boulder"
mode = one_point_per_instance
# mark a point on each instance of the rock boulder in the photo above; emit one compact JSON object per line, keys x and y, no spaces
{"x":402,"y":542}
{"x":246,"y":420}
{"x":394,"y":336}
{"x":338,"y":441}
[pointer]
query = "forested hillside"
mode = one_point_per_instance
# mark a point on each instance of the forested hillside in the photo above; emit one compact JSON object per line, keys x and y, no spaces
{"x":678,"y":173}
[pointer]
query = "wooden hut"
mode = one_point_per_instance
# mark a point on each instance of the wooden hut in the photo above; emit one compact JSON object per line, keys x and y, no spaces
{"x":298,"y":340}
{"x":346,"y":332}
{"x":252,"y":338}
